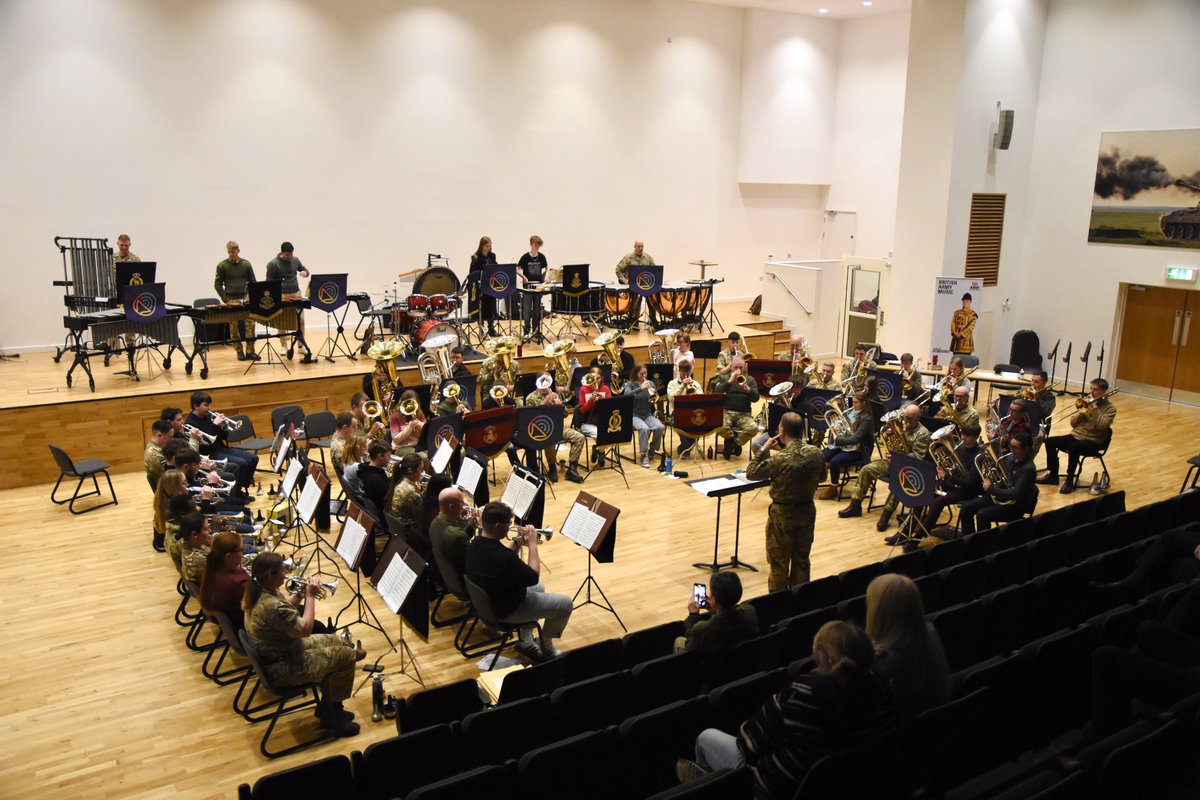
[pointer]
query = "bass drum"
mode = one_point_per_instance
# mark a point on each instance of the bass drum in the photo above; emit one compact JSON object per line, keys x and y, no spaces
{"x":437,"y":280}
{"x":432,"y":327}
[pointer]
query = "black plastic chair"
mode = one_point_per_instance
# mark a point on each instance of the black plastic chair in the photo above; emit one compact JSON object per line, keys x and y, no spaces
{"x":1026,"y":350}
{"x":679,"y":676}
{"x":963,"y":583}
{"x":580,"y":767}
{"x":319,"y":427}
{"x":494,"y":783}
{"x":281,"y":414}
{"x":724,"y":784}
{"x":651,"y":643}
{"x":396,"y":766}
{"x":439,"y":705}
{"x":540,"y":679}
{"x":1099,"y":456}
{"x":733,"y":703}
{"x":592,"y":704}
{"x":495,"y":735}
{"x":482,"y":603}
{"x":773,"y":607}
{"x":959,"y":627}
{"x":81,"y":470}
{"x":651,"y":743}
{"x":329,"y":777}
{"x":284,"y":695}
{"x":244,"y":438}
{"x":592,"y":660}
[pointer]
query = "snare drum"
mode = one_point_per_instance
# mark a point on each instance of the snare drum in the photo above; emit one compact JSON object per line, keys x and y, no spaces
{"x":438,"y":305}
{"x":418,"y":305}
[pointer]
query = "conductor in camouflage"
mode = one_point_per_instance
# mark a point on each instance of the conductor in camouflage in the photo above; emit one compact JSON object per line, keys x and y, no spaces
{"x":795,"y":469}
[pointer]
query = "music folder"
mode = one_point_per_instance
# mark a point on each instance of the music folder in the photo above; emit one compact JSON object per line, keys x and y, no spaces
{"x":592,"y":524}
{"x":401,"y":580}
{"x":354,"y":535}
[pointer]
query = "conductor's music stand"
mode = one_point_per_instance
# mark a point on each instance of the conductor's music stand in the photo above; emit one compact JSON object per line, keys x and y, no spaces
{"x":592,"y":524}
{"x":720,"y":488}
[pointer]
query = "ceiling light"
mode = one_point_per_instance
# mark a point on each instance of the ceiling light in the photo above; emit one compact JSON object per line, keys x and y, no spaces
{"x":866,"y":2}
{"x":823,"y":10}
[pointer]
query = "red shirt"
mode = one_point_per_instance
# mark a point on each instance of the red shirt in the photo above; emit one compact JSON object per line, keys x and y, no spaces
{"x":588,"y":397}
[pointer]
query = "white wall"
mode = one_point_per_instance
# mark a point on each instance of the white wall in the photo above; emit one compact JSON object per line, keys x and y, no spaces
{"x":371,"y":133}
{"x":1109,"y":65}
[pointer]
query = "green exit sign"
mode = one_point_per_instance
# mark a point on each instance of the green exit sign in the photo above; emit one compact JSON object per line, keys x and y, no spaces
{"x":1185,"y":274}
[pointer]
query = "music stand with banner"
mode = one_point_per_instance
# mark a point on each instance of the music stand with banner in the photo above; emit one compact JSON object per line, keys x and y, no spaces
{"x":913,"y":481}
{"x":489,"y":431}
{"x":769,"y":371}
{"x":436,"y":430}
{"x":539,"y":427}
{"x":614,"y":427}
{"x":527,"y":382}
{"x":661,"y":374}
{"x":145,"y":305}
{"x":577,"y":377}
{"x":889,"y":388}
{"x":813,"y":403}
{"x":134,"y":273}
{"x":265,"y":298}
{"x":328,"y":293}
{"x":698,"y":415}
{"x":646,"y":279}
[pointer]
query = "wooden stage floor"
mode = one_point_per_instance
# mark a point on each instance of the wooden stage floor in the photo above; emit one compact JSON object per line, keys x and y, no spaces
{"x":100,"y":697}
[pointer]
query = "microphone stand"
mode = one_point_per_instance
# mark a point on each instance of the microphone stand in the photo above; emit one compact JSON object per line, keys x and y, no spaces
{"x":1067,"y":376}
{"x":1087,"y":352}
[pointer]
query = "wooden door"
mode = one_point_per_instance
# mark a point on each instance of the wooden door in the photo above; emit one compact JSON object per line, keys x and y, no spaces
{"x":1187,"y":366}
{"x":1150,"y":333}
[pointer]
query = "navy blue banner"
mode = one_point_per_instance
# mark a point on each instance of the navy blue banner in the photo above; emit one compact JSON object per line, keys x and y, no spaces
{"x":912,"y":480}
{"x":646,"y":279}
{"x":327,"y":292}
{"x":499,"y":280}
{"x":144,"y":302}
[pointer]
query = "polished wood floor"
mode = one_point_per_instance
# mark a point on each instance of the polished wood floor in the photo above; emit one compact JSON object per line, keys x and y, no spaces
{"x":100,"y":698}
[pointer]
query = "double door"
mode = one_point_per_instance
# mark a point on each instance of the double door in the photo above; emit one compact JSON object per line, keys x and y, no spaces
{"x":1160,"y":353}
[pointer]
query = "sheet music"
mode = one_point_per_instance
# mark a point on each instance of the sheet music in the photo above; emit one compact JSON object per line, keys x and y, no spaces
{"x":441,"y":458}
{"x":582,"y":526}
{"x":519,"y":494}
{"x":396,"y":583}
{"x":309,"y":498}
{"x":285,"y":447}
{"x":352,"y":541}
{"x":723,"y":482}
{"x":469,"y":475}
{"x":289,"y":480}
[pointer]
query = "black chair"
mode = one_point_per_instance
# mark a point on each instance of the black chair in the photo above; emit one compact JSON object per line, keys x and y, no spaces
{"x":1144,"y":767}
{"x":963,"y":583}
{"x":651,"y":743}
{"x":281,"y":414}
{"x":592,"y":660}
{"x":1064,"y":597}
{"x":533,"y":681}
{"x":651,"y":643}
{"x":803,"y":627}
{"x":959,"y":726}
{"x":817,"y":594}
{"x":1007,"y":567}
{"x":486,"y":613}
{"x":439,"y":705}
{"x":1000,"y":369}
{"x":1058,"y":694}
{"x":1026,"y":350}
{"x":81,"y":470}
{"x":1192,"y":476}
{"x":1099,"y":456}
{"x":854,"y":609}
{"x":733,"y":703}
{"x":244,"y":438}
{"x":959,"y":628}
{"x":396,"y":766}
{"x":467,"y":621}
{"x":773,"y":607}
{"x":319,"y":427}
{"x":495,"y":735}
{"x":666,"y":679}
{"x":761,"y":654}
{"x":225,"y":643}
{"x":284,"y":695}
{"x":862,"y":771}
{"x":1010,"y":617}
{"x":580,"y":767}
{"x":724,"y":784}
{"x":329,"y":777}
{"x":1049,"y":553}
{"x":854,"y":581}
{"x":592,"y":704}
{"x":209,"y":332}
{"x":494,"y":783}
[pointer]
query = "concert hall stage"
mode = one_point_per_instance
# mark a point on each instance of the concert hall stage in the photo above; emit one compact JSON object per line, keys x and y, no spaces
{"x":113,"y":422}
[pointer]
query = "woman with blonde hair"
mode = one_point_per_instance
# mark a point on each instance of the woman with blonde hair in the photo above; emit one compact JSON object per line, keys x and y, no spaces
{"x":224,"y":581}
{"x":909,"y":659}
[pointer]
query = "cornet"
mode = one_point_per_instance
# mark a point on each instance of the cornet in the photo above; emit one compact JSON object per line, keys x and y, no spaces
{"x":295,"y":585}
{"x":228,"y":423}
{"x":543,"y":534}
{"x":592,"y":380}
{"x":207,"y":438}
{"x":218,"y":489}
{"x":740,"y":379}
{"x":544,"y":382}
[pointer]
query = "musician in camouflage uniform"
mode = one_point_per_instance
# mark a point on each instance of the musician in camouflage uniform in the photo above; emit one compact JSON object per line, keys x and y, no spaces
{"x":962,"y":409}
{"x":638,"y":257}
{"x":234,"y":276}
{"x":406,"y":497}
{"x":196,"y":537}
{"x":739,"y":426}
{"x":290,"y":652}
{"x":491,"y":372}
{"x":737,"y":349}
{"x":823,"y":378}
{"x":917,"y":439}
{"x":795,"y":470}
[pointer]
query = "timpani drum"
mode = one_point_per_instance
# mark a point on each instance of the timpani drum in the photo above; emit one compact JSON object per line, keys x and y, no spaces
{"x":672,"y":305}
{"x":617,"y":301}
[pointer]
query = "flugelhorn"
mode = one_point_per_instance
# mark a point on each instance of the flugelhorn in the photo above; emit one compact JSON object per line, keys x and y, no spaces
{"x":544,"y":382}
{"x":295,"y":585}
{"x":217,"y":488}
{"x":592,"y":380}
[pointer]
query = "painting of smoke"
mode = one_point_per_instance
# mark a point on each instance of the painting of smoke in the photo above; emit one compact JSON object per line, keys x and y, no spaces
{"x":1147,"y":189}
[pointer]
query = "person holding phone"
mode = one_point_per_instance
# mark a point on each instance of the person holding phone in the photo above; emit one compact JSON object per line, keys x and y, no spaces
{"x":725,"y":624}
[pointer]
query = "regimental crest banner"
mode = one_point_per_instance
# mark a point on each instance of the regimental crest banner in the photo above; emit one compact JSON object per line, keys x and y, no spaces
{"x":327,"y":292}
{"x":698,"y":414}
{"x":265,"y":298}
{"x":144,"y":302}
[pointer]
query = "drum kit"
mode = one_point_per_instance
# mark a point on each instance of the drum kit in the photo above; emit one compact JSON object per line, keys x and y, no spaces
{"x":432,"y":311}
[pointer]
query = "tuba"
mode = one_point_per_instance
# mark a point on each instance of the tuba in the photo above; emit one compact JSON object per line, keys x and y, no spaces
{"x":384,"y":353}
{"x":608,"y":343}
{"x":891,"y":432}
{"x":503,"y":347}
{"x":558,"y":362}
{"x":941,"y":450}
{"x":992,"y":469}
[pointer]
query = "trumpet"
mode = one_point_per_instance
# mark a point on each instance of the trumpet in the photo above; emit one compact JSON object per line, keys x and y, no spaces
{"x":207,"y":438}
{"x":649,"y":386}
{"x":499,"y":393}
{"x":690,"y":387}
{"x":544,"y":382}
{"x":222,"y":421}
{"x":543,"y":534}
{"x":295,"y":585}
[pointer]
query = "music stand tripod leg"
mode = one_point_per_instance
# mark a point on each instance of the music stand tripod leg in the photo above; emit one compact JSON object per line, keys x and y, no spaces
{"x":734,"y":561}
{"x":588,"y":583}
{"x":715,"y":565}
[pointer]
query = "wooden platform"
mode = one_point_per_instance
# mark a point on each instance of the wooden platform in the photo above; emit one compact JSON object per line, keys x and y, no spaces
{"x":37,"y":408}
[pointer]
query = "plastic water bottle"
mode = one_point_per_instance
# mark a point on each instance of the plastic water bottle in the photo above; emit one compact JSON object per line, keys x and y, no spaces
{"x":670,"y":466}
{"x":377,"y":697}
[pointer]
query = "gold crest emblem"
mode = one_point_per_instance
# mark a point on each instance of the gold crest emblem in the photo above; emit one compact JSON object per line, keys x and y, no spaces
{"x":575,"y":282}
{"x":614,"y":422}
{"x":267,"y":301}
{"x":698,"y":417}
{"x":769,"y":380}
{"x":489,"y":434}
{"x":136,"y":279}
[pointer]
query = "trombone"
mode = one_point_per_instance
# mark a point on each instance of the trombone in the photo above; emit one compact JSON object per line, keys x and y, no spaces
{"x":1082,"y":405}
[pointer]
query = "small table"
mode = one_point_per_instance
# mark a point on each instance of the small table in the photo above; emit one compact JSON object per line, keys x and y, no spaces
{"x":721,"y":487}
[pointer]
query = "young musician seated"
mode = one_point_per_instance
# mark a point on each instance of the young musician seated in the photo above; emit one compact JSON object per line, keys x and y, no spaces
{"x":714,"y":634}
{"x":217,"y":425}
{"x":224,"y":581}
{"x":682,"y":384}
{"x":375,"y":486}
{"x":648,"y":427}
{"x":372,"y":429}
{"x":196,"y":536}
{"x":513,"y":585}
{"x":188,"y":462}
{"x":861,"y":438}
{"x":545,"y":395}
{"x":592,"y":389}
{"x":510,"y":401}
{"x":405,"y":500}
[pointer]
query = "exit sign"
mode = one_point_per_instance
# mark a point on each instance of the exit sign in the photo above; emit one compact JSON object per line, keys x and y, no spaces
{"x":1181,"y":274}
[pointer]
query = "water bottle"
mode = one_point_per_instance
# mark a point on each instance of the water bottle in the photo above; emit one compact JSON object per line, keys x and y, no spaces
{"x":377,"y":697}
{"x":670,"y":466}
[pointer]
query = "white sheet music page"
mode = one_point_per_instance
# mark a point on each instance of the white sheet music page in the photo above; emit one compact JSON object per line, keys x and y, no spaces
{"x":519,"y":494}
{"x":289,"y":480}
{"x":352,"y":541}
{"x":281,"y":456}
{"x":441,"y":458}
{"x":396,"y":583}
{"x":723,"y":482}
{"x":307,"y":505}
{"x":469,"y":475}
{"x":582,"y":526}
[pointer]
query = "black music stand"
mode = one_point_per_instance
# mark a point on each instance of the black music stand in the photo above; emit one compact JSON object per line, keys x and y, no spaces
{"x":705,"y":350}
{"x":525,"y":494}
{"x":599,"y":547}
{"x":1087,"y":354}
{"x":721,"y":487}
{"x":499,"y":283}
{"x":130,"y":274}
{"x":614,"y":427}
{"x":890,"y":388}
{"x":1067,"y":375}
{"x":350,"y":548}
{"x":405,"y":591}
{"x":328,"y":293}
{"x":265,"y":297}
{"x":144,"y":303}
{"x":913,"y":481}
{"x":577,"y":376}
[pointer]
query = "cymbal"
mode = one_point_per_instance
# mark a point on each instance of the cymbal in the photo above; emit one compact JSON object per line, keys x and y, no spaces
{"x":703,"y":263}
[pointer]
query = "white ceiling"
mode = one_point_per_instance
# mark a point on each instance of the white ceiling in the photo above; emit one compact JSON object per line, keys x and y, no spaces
{"x":838,"y":9}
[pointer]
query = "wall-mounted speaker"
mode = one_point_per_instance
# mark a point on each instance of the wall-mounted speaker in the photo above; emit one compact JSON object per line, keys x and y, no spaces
{"x":1004,"y":129}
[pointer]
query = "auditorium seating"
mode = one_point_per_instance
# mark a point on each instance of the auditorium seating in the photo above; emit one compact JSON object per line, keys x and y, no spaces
{"x":1019,"y":619}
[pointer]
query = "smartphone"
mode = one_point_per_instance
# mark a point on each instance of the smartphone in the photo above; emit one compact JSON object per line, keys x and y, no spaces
{"x":700,"y":595}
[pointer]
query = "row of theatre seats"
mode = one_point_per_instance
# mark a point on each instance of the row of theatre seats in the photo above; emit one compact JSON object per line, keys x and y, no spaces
{"x":1015,"y":609}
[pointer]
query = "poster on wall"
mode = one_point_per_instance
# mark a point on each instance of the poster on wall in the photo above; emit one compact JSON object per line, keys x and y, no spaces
{"x":1147,"y":189}
{"x":954,"y":317}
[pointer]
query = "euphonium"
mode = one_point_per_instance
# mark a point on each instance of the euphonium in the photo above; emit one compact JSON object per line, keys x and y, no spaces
{"x":891,"y":432}
{"x":995,"y":423}
{"x":992,"y":469}
{"x":658,"y":354}
{"x":558,"y":362}
{"x":295,"y":585}
{"x":839,"y":427}
{"x":608,"y":343}
{"x":952,"y":413}
{"x":941,"y":450}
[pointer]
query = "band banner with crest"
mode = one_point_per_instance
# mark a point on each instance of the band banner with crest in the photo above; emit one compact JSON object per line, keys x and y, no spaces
{"x":768,"y":371}
{"x":135,"y":273}
{"x":889,"y":388}
{"x":575,"y":279}
{"x":489,"y":431}
{"x":698,"y":414}
{"x":614,"y":419}
{"x":912,"y":480}
{"x":265,"y":298}
{"x":539,"y":427}
{"x":144,"y":302}
{"x":327,"y":292}
{"x":646,"y":279}
{"x":499,"y":280}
